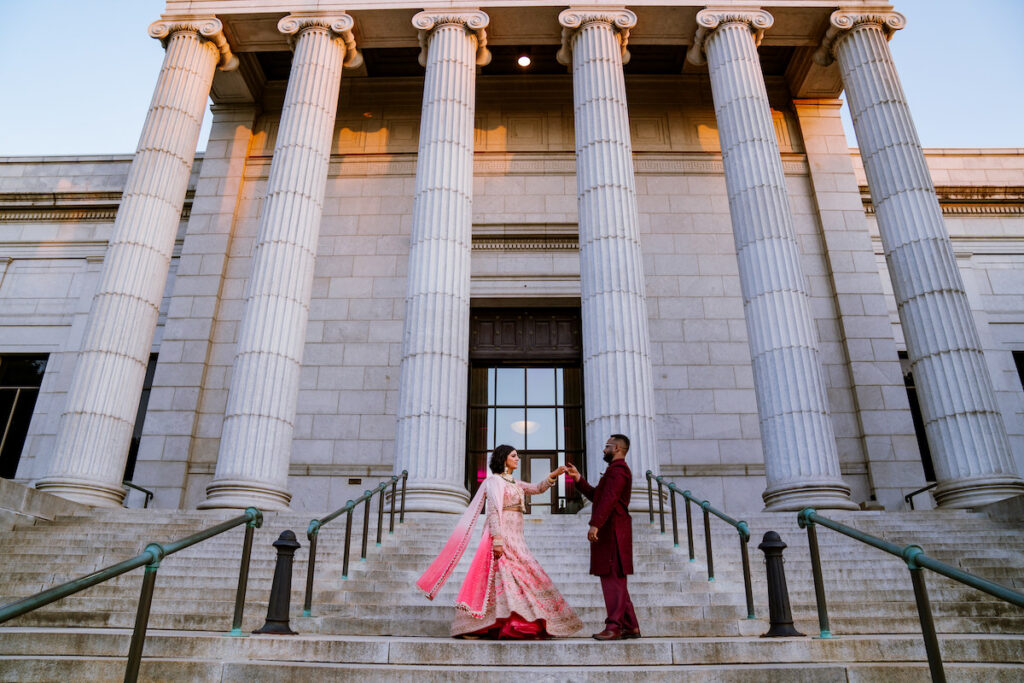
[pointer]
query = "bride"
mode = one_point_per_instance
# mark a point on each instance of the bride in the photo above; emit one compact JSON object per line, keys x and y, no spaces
{"x":505,"y":594}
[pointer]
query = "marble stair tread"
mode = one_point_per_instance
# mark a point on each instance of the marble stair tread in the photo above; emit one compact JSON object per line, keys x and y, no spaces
{"x":425,"y":650}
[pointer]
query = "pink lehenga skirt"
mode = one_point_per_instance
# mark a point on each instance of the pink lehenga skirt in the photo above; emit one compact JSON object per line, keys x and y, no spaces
{"x":522,"y":601}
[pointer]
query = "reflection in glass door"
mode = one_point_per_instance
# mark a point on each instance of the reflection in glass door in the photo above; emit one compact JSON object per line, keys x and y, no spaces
{"x":538,"y":410}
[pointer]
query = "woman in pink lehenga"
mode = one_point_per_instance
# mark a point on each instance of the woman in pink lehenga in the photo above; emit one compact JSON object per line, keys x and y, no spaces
{"x":505,"y":594}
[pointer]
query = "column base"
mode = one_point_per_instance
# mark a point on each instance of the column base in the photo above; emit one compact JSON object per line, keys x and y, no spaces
{"x":239,"y":495}
{"x":823,"y":494}
{"x":978,"y":491}
{"x":85,"y":491}
{"x":424,"y":497}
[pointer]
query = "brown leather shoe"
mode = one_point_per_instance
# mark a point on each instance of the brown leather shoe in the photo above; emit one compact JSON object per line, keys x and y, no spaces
{"x":630,"y":633}
{"x":608,"y":634}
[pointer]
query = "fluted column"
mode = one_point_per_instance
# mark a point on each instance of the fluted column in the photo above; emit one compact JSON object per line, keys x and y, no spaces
{"x":96,"y":426}
{"x":256,"y":444}
{"x":430,"y":438}
{"x":965,"y":430}
{"x":801,"y":460}
{"x":618,"y":388}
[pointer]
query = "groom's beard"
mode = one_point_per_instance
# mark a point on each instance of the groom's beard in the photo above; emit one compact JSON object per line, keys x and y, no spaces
{"x":608,"y":457}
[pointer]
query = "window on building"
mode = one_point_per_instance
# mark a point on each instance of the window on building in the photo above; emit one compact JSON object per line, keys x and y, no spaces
{"x":1018,"y":359}
{"x":140,"y":419}
{"x":20,"y":378}
{"x":915,"y":412}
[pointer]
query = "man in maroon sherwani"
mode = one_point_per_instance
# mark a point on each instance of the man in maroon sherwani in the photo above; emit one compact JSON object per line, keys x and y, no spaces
{"x":611,"y":538}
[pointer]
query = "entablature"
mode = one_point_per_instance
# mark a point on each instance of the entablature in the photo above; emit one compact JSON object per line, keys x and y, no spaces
{"x":384,"y":32}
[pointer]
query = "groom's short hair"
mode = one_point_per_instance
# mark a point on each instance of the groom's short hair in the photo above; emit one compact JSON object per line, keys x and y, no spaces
{"x":623,"y":441}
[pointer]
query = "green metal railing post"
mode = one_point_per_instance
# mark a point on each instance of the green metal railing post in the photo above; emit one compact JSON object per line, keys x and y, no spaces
{"x":924,"y":613}
{"x":394,"y":490}
{"x":348,"y":538}
{"x":804,"y":520}
{"x":707,"y":540}
{"x":405,"y":478}
{"x":744,"y":533}
{"x":366,"y":523}
{"x":661,"y":506}
{"x":131,"y":672}
{"x":254,"y":523}
{"x":380,"y":512}
{"x":312,"y":533}
{"x":689,"y":526}
{"x":916,"y":560}
{"x":150,"y":559}
{"x":675,"y":523}
{"x":650,"y":497}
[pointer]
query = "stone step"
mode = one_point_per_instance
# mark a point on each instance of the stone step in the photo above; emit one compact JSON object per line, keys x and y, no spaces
{"x":435,"y":621}
{"x":343,"y":592}
{"x":446,"y":651}
{"x":111,"y":669}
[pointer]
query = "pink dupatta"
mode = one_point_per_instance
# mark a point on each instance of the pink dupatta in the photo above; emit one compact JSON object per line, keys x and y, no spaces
{"x":475,"y":591}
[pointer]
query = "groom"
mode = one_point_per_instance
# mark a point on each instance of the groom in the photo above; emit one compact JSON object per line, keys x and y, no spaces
{"x":611,"y":538}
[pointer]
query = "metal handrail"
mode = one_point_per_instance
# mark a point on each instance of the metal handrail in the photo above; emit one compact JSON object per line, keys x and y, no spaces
{"x":915,"y":559}
{"x":316,"y":524}
{"x":150,"y":559}
{"x":909,"y":498}
{"x":149,"y":494}
{"x":741,"y":528}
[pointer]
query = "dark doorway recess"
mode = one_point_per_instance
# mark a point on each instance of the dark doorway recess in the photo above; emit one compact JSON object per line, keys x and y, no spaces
{"x":20,"y":378}
{"x":526,"y":389}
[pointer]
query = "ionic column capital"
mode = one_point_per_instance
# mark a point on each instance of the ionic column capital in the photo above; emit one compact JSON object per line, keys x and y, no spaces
{"x":843,"y":21}
{"x":473,"y":21}
{"x":573,"y":19}
{"x":339,"y":24}
{"x":209,"y":28}
{"x":709,"y":20}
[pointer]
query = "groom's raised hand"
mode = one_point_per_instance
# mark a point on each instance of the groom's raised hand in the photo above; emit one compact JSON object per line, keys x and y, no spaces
{"x":571,"y":470}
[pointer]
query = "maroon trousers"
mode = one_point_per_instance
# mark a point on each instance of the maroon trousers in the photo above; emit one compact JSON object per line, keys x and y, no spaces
{"x":617,"y":603}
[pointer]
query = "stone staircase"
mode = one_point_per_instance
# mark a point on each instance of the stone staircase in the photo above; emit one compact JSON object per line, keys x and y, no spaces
{"x":375,"y":623}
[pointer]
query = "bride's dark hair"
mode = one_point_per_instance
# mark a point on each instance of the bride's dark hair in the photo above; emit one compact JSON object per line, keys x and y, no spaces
{"x":498,"y":457}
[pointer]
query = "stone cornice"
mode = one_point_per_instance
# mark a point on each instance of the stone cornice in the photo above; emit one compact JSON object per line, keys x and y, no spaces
{"x":339,"y":24}
{"x":209,"y":28}
{"x":708,"y":20}
{"x":77,"y":207}
{"x":967,"y":200}
{"x":525,"y":243}
{"x":572,"y":19}
{"x":843,"y":21}
{"x":475,"y":21}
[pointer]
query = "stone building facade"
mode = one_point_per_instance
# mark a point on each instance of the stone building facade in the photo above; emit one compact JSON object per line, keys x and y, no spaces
{"x":661,"y":214}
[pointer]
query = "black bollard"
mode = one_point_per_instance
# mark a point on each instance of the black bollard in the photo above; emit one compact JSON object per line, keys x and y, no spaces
{"x":281,"y":588}
{"x":780,"y":616}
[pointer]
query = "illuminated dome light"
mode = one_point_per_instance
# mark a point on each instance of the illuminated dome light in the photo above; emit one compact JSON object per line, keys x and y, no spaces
{"x":524,"y":426}
{"x":524,"y":60}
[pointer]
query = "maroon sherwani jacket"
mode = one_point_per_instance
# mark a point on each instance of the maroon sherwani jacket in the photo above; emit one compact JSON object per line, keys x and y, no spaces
{"x":614,"y":546}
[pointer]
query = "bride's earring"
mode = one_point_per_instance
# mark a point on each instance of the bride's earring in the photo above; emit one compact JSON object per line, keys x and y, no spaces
{"x":508,"y":471}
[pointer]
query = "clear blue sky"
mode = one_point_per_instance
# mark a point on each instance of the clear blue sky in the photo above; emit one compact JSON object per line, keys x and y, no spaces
{"x":77,"y":76}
